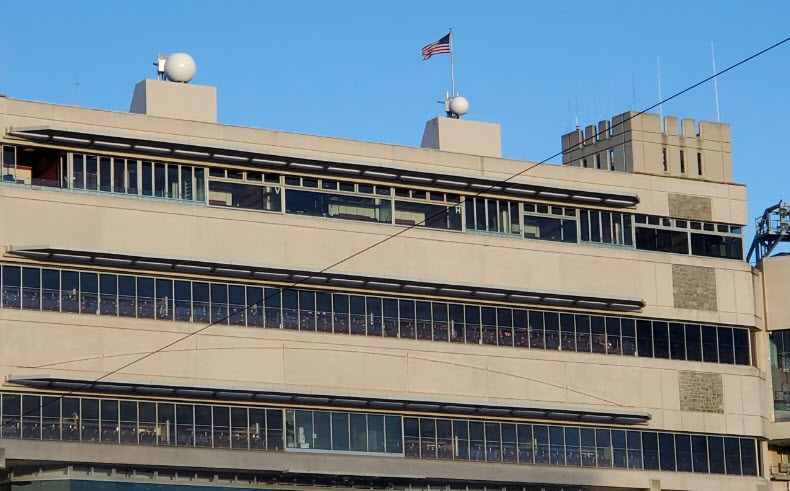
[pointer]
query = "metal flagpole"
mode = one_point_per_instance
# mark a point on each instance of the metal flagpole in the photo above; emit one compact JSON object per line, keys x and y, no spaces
{"x":452,"y":66}
{"x":715,"y":82}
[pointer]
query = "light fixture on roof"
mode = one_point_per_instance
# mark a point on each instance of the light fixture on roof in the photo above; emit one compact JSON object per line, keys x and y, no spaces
{"x":344,"y":170}
{"x":382,"y":284}
{"x":619,"y":202}
{"x":512,"y":189}
{"x":553,"y":194}
{"x":146,"y":148}
{"x":446,"y":182}
{"x":589,"y":199}
{"x":386,"y":175}
{"x":268,"y":161}
{"x":108,"y":144}
{"x":191,"y":153}
{"x":407,"y":177}
{"x":68,"y":139}
{"x":235,"y":158}
{"x":303,"y":165}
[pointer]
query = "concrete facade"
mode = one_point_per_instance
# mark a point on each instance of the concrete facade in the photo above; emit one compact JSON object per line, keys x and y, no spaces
{"x":643,"y":143}
{"x":638,"y":396}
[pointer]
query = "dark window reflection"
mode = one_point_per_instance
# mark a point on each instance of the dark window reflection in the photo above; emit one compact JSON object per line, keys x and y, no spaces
{"x":344,"y":206}
{"x":427,"y":215}
{"x":654,"y":239}
{"x":247,"y":196}
{"x":717,"y":246}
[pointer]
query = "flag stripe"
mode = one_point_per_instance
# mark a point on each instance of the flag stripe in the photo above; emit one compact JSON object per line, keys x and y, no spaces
{"x":439,"y":47}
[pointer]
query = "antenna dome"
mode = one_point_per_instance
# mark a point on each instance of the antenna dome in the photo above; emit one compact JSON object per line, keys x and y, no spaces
{"x":459,"y":105}
{"x":180,"y":67}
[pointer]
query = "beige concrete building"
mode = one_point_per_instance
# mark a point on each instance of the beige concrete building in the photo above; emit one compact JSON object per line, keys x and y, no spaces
{"x":187,"y":303}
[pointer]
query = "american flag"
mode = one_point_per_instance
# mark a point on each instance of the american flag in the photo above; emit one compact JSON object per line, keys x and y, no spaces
{"x":439,"y":47}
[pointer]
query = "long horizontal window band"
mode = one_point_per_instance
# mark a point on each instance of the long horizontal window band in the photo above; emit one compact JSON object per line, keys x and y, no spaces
{"x":540,"y":412}
{"x":376,"y":283}
{"x":62,"y":136}
{"x":179,"y":424}
{"x":168,"y":299}
{"x":343,"y":199}
{"x":675,"y":235}
{"x":329,"y":198}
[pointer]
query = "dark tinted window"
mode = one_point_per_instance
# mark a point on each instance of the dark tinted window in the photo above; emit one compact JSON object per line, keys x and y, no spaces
{"x":653,"y":239}
{"x":717,"y":246}
{"x":741,"y":340}
{"x":660,"y":340}
{"x":693,"y":342}
{"x":644,"y":338}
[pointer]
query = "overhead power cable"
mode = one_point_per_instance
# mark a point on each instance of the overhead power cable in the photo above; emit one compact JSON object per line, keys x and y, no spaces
{"x":593,"y":137}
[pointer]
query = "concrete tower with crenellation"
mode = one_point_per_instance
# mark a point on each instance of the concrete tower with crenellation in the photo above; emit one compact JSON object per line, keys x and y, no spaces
{"x":634,"y":142}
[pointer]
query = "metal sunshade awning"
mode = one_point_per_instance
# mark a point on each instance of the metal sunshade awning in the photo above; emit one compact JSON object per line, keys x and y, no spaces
{"x":338,"y":169}
{"x":312,"y":277}
{"x":242,"y":394}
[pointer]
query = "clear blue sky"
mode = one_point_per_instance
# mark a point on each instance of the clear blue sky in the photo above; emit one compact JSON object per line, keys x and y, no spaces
{"x":352,"y":68}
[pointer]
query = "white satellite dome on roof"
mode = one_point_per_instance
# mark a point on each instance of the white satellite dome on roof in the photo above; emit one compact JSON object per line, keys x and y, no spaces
{"x":180,"y":67}
{"x":459,"y":105}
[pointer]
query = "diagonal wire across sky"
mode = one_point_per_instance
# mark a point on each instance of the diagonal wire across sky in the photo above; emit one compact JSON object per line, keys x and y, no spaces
{"x":390,"y":237}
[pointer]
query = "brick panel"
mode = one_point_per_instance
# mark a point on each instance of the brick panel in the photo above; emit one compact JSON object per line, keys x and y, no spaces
{"x":690,"y":207}
{"x":694,"y":287}
{"x":701,"y":392}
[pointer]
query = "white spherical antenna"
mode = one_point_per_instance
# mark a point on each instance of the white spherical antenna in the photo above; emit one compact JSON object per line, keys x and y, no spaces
{"x":459,"y":106}
{"x":180,"y":67}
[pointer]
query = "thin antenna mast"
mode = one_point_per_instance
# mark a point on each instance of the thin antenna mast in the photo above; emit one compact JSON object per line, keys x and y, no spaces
{"x":660,"y":99}
{"x":570,"y":117}
{"x":452,"y":66}
{"x":715,"y":82}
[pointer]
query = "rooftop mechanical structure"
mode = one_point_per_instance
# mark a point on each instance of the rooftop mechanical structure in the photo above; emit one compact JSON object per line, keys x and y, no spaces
{"x":773,"y":228}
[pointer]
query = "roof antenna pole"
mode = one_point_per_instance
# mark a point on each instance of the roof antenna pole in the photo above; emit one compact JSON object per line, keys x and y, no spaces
{"x":715,"y":82}
{"x":570,"y":116}
{"x":452,"y":67}
{"x":660,"y":98}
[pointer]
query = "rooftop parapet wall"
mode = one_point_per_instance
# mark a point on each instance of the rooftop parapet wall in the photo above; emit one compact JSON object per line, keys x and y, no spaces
{"x":26,"y":114}
{"x":633,"y":142}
